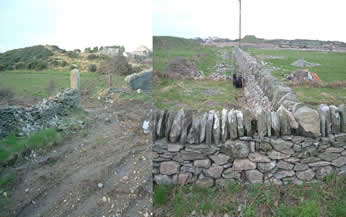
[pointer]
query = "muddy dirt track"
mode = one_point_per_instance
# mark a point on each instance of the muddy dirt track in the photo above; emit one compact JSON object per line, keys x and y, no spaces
{"x":104,"y":172}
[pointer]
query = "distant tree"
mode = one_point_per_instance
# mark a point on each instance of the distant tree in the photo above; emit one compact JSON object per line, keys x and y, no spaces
{"x":95,"y":49}
{"x":101,"y":48}
{"x":87,"y":50}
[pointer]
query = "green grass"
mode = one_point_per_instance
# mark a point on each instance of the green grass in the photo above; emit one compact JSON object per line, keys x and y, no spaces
{"x":7,"y":179}
{"x":308,"y":200}
{"x":34,"y":85}
{"x":203,"y":95}
{"x":332,"y":69}
{"x":166,"y":48}
{"x":40,"y":141}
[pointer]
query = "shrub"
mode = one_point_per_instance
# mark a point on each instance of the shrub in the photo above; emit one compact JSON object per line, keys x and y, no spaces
{"x":20,"y":65}
{"x":63,"y":63}
{"x":116,"y":65}
{"x":92,"y":68}
{"x":6,"y":93}
{"x":92,"y":56}
{"x":2,"y":67}
{"x":72,"y":54}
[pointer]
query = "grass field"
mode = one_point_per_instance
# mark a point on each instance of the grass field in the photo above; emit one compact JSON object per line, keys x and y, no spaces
{"x":35,"y":85}
{"x":326,"y":199}
{"x":332,"y":69}
{"x":190,"y":94}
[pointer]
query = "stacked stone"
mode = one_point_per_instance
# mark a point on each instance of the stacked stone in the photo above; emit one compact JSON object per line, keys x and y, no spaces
{"x":39,"y":116}
{"x":290,"y":159}
{"x":262,"y":90}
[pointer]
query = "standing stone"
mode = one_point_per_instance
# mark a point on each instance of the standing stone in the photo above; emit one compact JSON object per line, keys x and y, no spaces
{"x":224,"y":125}
{"x":232,"y":124}
{"x":160,"y":130}
{"x":342,"y":112}
{"x":240,"y":123}
{"x":75,"y":79}
{"x":261,"y":124}
{"x":203,"y":127}
{"x":254,"y":176}
{"x":336,"y":120}
{"x":248,"y":118}
{"x":284,"y":124}
{"x":309,"y":122}
{"x":176,"y":126}
{"x":154,"y":121}
{"x":187,"y":121}
{"x":216,"y":127}
{"x":169,"y":121}
{"x":275,"y":123}
{"x":326,"y":123}
{"x":269,"y":124}
{"x":209,"y":127}
{"x":193,"y":137}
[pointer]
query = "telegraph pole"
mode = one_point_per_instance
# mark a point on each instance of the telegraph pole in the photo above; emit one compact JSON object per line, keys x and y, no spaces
{"x":239,"y":22}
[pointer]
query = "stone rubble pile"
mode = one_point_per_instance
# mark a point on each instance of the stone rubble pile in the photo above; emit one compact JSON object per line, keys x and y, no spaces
{"x":302,"y":75}
{"x":211,"y":147}
{"x":47,"y":113}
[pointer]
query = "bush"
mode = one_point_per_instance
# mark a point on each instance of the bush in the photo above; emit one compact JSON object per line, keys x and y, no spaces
{"x":2,"y":67}
{"x":116,"y":65}
{"x":92,"y":56}
{"x":92,"y":68}
{"x":20,"y":65}
{"x":63,"y":63}
{"x":72,"y":54}
{"x":6,"y":93}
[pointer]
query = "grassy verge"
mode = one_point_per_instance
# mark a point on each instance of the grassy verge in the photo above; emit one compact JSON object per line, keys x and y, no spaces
{"x":13,"y":147}
{"x":307,"y":200}
{"x":203,"y":95}
{"x":332,"y":69}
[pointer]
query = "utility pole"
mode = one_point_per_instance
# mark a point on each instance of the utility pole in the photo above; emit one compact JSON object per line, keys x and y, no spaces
{"x":239,"y":22}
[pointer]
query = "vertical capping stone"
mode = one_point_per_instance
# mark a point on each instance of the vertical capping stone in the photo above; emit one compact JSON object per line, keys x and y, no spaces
{"x":325,"y":121}
{"x":168,"y":124}
{"x":154,"y":121}
{"x":248,"y":118}
{"x":232,"y":125}
{"x":216,"y":127}
{"x":209,"y":127}
{"x":275,"y":123}
{"x":186,"y":124}
{"x":224,"y":125}
{"x":336,"y":120}
{"x":240,"y":123}
{"x":176,"y":126}
{"x":261,"y":124}
{"x":203,"y":127}
{"x":160,"y":125}
{"x":75,"y":79}
{"x":342,"y":113}
{"x":193,"y":135}
{"x":269,"y":124}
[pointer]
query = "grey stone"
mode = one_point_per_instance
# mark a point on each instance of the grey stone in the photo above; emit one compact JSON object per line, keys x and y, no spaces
{"x":214,"y":171}
{"x":300,"y":167}
{"x":205,"y":163}
{"x":284,"y":123}
{"x":169,"y":121}
{"x":264,"y":146}
{"x":162,"y":180}
{"x":203,"y":127}
{"x":182,"y":178}
{"x":309,"y":122}
{"x":188,"y":155}
{"x":174,"y":147}
{"x":141,"y":80}
{"x":334,"y":150}
{"x":206,"y":182}
{"x":340,"y":138}
{"x":248,"y":117}
{"x":341,"y":161}
{"x":319,"y":164}
{"x":259,"y":158}
{"x":176,"y":126}
{"x":323,"y":172}
{"x":216,"y":127}
{"x":186,"y":123}
{"x":160,"y":130}
{"x":275,"y":123}
{"x":266,"y":167}
{"x":169,"y":167}
{"x":230,"y":173}
{"x":75,"y":79}
{"x":240,"y":123}
{"x":232,"y":124}
{"x":328,"y":156}
{"x":326,"y":123}
{"x":240,"y":150}
{"x":209,"y":127}
{"x":342,"y":112}
{"x":284,"y":165}
{"x":224,"y":125}
{"x":282,"y":146}
{"x":283,"y":174}
{"x":220,"y":159}
{"x":269,"y":124}
{"x":306,"y":175}
{"x":194,"y":134}
{"x":243,"y":164}
{"x":261,"y":124}
{"x":277,"y":155}
{"x":254,"y":176}
{"x":335,"y":118}
{"x":309,"y":160}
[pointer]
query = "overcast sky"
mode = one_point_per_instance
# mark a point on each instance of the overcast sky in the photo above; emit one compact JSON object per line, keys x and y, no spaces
{"x":287,"y":19}
{"x":74,"y":24}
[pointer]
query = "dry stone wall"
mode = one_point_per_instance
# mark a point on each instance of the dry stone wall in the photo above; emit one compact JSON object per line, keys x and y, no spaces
{"x":42,"y":115}
{"x":215,"y":147}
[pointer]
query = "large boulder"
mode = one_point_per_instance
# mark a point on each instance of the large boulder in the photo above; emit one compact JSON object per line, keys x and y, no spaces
{"x":309,"y":122}
{"x":141,"y":80}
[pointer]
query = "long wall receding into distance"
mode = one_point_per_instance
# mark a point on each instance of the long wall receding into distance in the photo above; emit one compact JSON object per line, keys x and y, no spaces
{"x":275,"y":139}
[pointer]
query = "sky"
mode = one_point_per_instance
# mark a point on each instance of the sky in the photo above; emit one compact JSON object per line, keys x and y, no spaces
{"x":72,"y":24}
{"x":270,"y":19}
